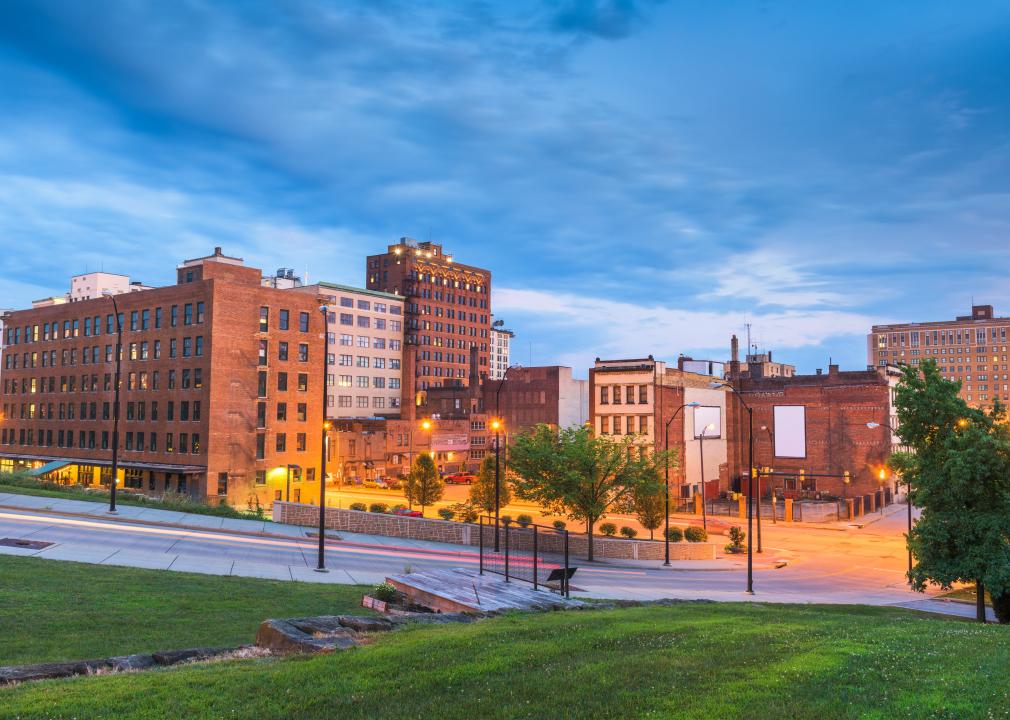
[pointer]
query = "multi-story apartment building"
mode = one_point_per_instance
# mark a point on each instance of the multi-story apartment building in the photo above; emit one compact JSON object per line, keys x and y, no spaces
{"x":642,"y":397}
{"x":971,"y":349}
{"x":222,"y":384}
{"x":366,"y":351}
{"x":499,"y":357}
{"x":447,"y":311}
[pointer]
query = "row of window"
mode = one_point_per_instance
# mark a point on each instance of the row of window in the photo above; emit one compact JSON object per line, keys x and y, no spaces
{"x":282,"y":382}
{"x":282,"y":352}
{"x":283,"y":320}
{"x":362,"y":381}
{"x":133,"y":441}
{"x":613,"y":394}
{"x":135,"y":411}
{"x":379,"y":307}
{"x":363,"y":341}
{"x":624,"y":425}
{"x":362,"y":401}
{"x":281,"y":413}
{"x":280,"y":443}
{"x":364,"y":321}
{"x":93,"y":355}
{"x":363,"y":361}
{"x":135,"y":380}
{"x":942,"y":337}
{"x":192,"y":314}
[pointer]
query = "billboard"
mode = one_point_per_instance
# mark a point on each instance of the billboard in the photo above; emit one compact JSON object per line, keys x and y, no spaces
{"x":445,"y":442}
{"x":706,"y":415}
{"x":790,"y":431}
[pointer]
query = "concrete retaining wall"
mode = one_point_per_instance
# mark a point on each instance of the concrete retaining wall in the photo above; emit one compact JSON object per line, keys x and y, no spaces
{"x":459,"y":533}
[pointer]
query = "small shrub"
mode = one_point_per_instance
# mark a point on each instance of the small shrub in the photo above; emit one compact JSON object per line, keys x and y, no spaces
{"x":506,"y":519}
{"x":378,"y":507}
{"x":736,"y":538}
{"x":524,"y":520}
{"x":675,"y":534}
{"x":629,"y":532}
{"x":359,"y":506}
{"x":608,"y":529}
{"x":446,"y":513}
{"x":465,"y":512}
{"x":384,"y":591}
{"x":559,"y":524}
{"x":696,"y":534}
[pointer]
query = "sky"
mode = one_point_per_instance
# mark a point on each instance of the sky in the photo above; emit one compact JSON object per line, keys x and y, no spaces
{"x":642,"y":177}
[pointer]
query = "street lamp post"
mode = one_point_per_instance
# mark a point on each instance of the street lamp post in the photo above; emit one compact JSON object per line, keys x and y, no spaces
{"x":115,"y":406}
{"x":496,"y":424}
{"x":908,"y":497}
{"x":321,"y":560}
{"x":666,"y":531}
{"x":750,"y":481}
{"x":701,"y":448}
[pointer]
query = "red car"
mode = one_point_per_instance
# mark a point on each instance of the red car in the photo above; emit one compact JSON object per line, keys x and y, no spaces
{"x":460,"y":478}
{"x":408,"y":513}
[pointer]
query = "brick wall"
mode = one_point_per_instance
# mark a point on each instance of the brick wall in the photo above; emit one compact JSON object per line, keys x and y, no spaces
{"x":459,"y":533}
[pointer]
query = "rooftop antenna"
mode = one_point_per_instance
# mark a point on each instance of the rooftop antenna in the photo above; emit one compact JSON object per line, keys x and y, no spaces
{"x":750,"y":348}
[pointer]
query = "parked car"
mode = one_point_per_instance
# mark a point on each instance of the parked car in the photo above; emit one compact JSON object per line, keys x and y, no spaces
{"x":408,"y":513}
{"x":460,"y":478}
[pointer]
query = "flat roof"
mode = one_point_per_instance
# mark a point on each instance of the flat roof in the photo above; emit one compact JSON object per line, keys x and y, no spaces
{"x":359,"y":291}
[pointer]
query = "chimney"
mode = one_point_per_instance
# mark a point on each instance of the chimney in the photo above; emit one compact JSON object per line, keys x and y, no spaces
{"x":474,"y":379}
{"x":217,"y":251}
{"x":832,"y":369}
{"x":734,"y":359}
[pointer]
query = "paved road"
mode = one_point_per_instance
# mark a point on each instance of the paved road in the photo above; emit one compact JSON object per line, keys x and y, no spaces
{"x":843,"y":564}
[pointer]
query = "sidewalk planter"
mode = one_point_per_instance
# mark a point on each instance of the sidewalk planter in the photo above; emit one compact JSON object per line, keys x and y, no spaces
{"x":459,"y":533}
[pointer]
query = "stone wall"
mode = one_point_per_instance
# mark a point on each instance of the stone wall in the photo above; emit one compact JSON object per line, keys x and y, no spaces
{"x":459,"y":533}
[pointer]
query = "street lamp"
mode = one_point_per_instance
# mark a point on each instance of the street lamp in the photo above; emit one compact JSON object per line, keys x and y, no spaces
{"x":115,"y":405}
{"x":701,"y":448}
{"x":496,"y":424}
{"x":321,"y":560}
{"x":908,"y":490}
{"x":666,"y":533}
{"x":750,"y":481}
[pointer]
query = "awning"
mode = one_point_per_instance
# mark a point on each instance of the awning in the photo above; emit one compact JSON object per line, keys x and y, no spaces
{"x":104,"y":462}
{"x":49,"y":467}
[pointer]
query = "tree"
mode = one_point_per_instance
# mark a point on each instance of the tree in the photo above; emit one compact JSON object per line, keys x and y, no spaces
{"x":482,"y":489}
{"x":570,"y":472}
{"x":958,"y":473}
{"x":424,"y":486}
{"x":649,"y":506}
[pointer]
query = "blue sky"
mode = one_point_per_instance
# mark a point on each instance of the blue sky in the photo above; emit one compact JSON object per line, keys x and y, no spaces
{"x":642,"y":177}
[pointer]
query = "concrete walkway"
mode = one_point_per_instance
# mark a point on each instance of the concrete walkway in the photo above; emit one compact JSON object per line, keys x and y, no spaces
{"x":863,"y":567}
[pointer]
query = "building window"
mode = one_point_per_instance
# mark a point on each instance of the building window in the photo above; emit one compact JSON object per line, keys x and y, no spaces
{"x":264,"y":319}
{"x":604,"y":395}
{"x":303,"y":322}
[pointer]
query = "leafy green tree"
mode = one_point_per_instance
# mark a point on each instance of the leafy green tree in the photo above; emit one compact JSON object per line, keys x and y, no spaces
{"x":424,"y":486}
{"x":958,"y":472}
{"x":571,"y":472}
{"x":482,"y":489}
{"x":649,"y":506}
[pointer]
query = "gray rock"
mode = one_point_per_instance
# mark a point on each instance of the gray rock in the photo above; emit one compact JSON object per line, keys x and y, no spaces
{"x":174,"y":657}
{"x":282,"y":636}
{"x":47,"y":671}
{"x":361,"y":624}
{"x":122,"y":663}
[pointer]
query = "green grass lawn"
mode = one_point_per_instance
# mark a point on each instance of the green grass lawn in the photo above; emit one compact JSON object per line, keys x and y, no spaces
{"x":24,"y":485}
{"x":51,"y":610}
{"x":711,"y":661}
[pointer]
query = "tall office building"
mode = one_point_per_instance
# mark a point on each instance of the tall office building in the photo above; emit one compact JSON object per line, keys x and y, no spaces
{"x":447,"y":310}
{"x":501,"y":338}
{"x":971,"y":349}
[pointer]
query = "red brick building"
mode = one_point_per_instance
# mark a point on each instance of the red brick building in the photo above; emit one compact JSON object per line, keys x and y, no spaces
{"x":817,"y":424}
{"x":447,"y":311}
{"x":970,"y":349}
{"x":221,"y":386}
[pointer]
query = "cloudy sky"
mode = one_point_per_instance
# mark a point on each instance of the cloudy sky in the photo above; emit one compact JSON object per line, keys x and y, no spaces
{"x":641,"y":177}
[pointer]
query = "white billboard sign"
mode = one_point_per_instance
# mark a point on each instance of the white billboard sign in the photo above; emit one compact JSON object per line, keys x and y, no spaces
{"x":790,"y":431}
{"x":704,"y":416}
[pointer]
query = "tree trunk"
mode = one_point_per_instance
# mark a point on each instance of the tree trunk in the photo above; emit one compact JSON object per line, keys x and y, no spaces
{"x":980,"y":601}
{"x":589,"y":539}
{"x":1001,"y":607}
